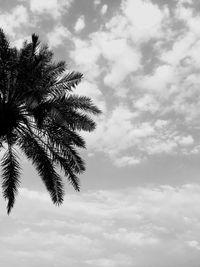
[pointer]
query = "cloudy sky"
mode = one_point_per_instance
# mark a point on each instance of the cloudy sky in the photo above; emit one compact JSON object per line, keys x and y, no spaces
{"x":140,"y":199}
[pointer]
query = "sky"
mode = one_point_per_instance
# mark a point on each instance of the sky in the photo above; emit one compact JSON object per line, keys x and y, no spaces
{"x":139,"y":203}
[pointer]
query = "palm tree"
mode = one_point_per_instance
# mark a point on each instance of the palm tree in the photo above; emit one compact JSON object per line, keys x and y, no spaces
{"x":41,"y":117}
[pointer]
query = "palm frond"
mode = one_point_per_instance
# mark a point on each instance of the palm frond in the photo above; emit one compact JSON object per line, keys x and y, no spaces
{"x":10,"y":174}
{"x":66,"y":166}
{"x":55,"y":69}
{"x":80,"y":102}
{"x":65,"y":148}
{"x":66,"y":83}
{"x":73,"y":102}
{"x":78,"y":121}
{"x":40,"y":159}
{"x":64,"y":135}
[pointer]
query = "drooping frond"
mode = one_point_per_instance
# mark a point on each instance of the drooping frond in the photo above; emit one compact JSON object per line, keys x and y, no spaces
{"x":58,"y":143}
{"x":62,"y":154}
{"x":72,"y":177}
{"x":64,"y":144}
{"x":10,"y":174}
{"x":66,"y":166}
{"x":40,"y":159}
{"x":63,"y":135}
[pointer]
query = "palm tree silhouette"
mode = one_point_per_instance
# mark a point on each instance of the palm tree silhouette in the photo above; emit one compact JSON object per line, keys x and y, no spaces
{"x":40,"y":115}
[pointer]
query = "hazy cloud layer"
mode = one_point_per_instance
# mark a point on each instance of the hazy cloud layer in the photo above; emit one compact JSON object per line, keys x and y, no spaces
{"x":105,"y":228}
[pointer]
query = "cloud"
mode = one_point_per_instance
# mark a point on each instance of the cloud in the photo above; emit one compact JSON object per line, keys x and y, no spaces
{"x":186,"y":140}
{"x":58,"y":35}
{"x":117,"y":45}
{"x":85,"y":57}
{"x":11,"y":22}
{"x":159,"y":81}
{"x":97,"y":2}
{"x":55,"y":8}
{"x":80,"y":24}
{"x":126,"y":161}
{"x":147,"y":59}
{"x":105,"y":227}
{"x":136,"y":140}
{"x":147,"y":103}
{"x":122,"y":58}
{"x":145,"y":19}
{"x":104,"y":9}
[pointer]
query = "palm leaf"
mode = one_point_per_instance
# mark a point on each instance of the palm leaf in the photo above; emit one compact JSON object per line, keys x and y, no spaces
{"x":66,"y":83}
{"x":10,"y":174}
{"x":80,"y":102}
{"x":40,"y":159}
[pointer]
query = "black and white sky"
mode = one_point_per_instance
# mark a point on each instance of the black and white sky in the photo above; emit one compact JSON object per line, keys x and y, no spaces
{"x":139,"y":203}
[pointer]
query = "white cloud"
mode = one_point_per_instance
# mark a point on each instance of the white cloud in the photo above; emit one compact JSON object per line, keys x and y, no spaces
{"x":123,"y":60}
{"x":126,"y":161}
{"x":117,"y":260}
{"x":104,"y":9}
{"x":185,"y":1}
{"x":145,"y":19}
{"x":111,"y":131}
{"x":97,"y":2}
{"x":160,"y":80}
{"x":80,"y":24}
{"x":147,"y":103}
{"x":117,"y":45}
{"x":186,"y":140}
{"x":55,"y":8}
{"x":16,"y":18}
{"x":136,"y":139}
{"x":58,"y":35}
{"x":139,"y":21}
{"x":179,"y":50}
{"x":86,"y":56}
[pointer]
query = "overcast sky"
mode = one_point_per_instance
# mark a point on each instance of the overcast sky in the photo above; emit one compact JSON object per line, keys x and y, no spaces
{"x":140,"y":199}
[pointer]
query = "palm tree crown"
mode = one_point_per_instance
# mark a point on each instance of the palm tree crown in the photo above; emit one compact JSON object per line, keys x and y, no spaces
{"x":40,"y":115}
